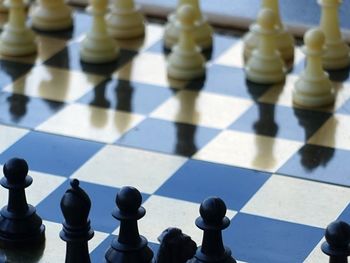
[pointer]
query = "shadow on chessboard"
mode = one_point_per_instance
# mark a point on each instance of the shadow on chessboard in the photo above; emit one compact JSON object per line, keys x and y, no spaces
{"x":22,"y":230}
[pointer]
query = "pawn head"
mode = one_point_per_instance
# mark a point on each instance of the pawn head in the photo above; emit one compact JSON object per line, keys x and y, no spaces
{"x":15,"y":170}
{"x":338,"y":234}
{"x":213,"y":210}
{"x":314,"y":39}
{"x":186,"y":14}
{"x":267,"y":19}
{"x":129,"y":199}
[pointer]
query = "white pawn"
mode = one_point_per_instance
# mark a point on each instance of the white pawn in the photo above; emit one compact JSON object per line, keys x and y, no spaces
{"x":313,"y":88}
{"x":336,"y":55}
{"x":98,"y":47}
{"x":16,"y":38}
{"x":284,"y":40}
{"x":265,"y":66}
{"x":52,"y":15}
{"x":186,"y":62}
{"x":203,"y":32}
{"x":125,"y":20}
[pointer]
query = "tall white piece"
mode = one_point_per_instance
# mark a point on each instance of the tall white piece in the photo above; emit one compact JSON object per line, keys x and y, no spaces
{"x":51,"y":15}
{"x":284,"y":41}
{"x":337,"y":54}
{"x":313,"y":88}
{"x":98,"y":46}
{"x":16,"y":38}
{"x":203,"y":32}
{"x":186,"y":61}
{"x":125,"y":20}
{"x":265,"y":65}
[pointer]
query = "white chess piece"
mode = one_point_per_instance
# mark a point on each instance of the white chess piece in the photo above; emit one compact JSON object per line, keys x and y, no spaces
{"x":203,"y":32}
{"x":337,"y":54}
{"x":265,"y":65}
{"x":284,"y":41}
{"x":3,"y":8}
{"x":125,"y":20}
{"x":98,"y":46}
{"x":313,"y":88}
{"x":52,"y":15}
{"x":17,"y":39}
{"x":186,"y":62}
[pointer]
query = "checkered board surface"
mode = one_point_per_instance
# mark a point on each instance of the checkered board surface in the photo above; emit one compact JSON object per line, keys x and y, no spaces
{"x":281,"y":170}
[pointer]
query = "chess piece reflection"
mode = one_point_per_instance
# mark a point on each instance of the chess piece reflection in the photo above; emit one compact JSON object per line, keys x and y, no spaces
{"x":186,"y":133}
{"x":61,"y":88}
{"x":312,"y":156}
{"x":265,"y":125}
{"x":123,"y":92}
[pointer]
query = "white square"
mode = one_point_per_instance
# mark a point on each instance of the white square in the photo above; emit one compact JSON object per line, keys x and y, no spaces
{"x":202,"y":108}
{"x":9,"y":135}
{"x":248,"y":150}
{"x":54,"y":83}
{"x":335,"y":133}
{"x":119,"y":166}
{"x":299,"y":201}
{"x":91,"y":123}
{"x":163,"y":212}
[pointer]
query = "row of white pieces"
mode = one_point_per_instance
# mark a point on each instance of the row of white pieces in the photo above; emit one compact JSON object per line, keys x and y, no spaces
{"x":98,"y":46}
{"x":124,"y":19}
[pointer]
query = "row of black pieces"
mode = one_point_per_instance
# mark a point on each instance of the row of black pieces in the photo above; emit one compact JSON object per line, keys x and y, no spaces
{"x":20,"y":226}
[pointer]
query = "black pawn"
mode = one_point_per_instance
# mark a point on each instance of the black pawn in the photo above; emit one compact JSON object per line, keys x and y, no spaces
{"x":75,"y":206}
{"x":20,"y":226}
{"x":212,"y":221}
{"x":337,"y":242}
{"x":129,"y":246}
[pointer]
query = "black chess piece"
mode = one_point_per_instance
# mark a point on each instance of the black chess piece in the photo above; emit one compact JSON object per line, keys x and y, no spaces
{"x":175,"y":247}
{"x":20,"y":226}
{"x":337,"y":242}
{"x":129,"y":246}
{"x":75,"y":206}
{"x":212,"y":221}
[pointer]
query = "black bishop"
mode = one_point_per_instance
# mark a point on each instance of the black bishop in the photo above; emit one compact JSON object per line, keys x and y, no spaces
{"x":75,"y":206}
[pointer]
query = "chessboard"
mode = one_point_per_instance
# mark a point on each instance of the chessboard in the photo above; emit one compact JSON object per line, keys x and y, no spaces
{"x":280,"y":169}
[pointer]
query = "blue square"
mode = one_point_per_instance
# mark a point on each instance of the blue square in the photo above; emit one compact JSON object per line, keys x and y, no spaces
{"x":270,"y":120}
{"x":169,"y":137}
{"x":319,"y":163}
{"x":265,"y":240}
{"x":100,"y":215}
{"x":49,"y":153}
{"x":196,"y":180}
{"x":123,"y":95}
{"x":24,"y":111}
{"x":228,"y":81}
{"x":298,"y":67}
{"x":10,"y":71}
{"x":345,"y":215}
{"x":69,"y":58}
